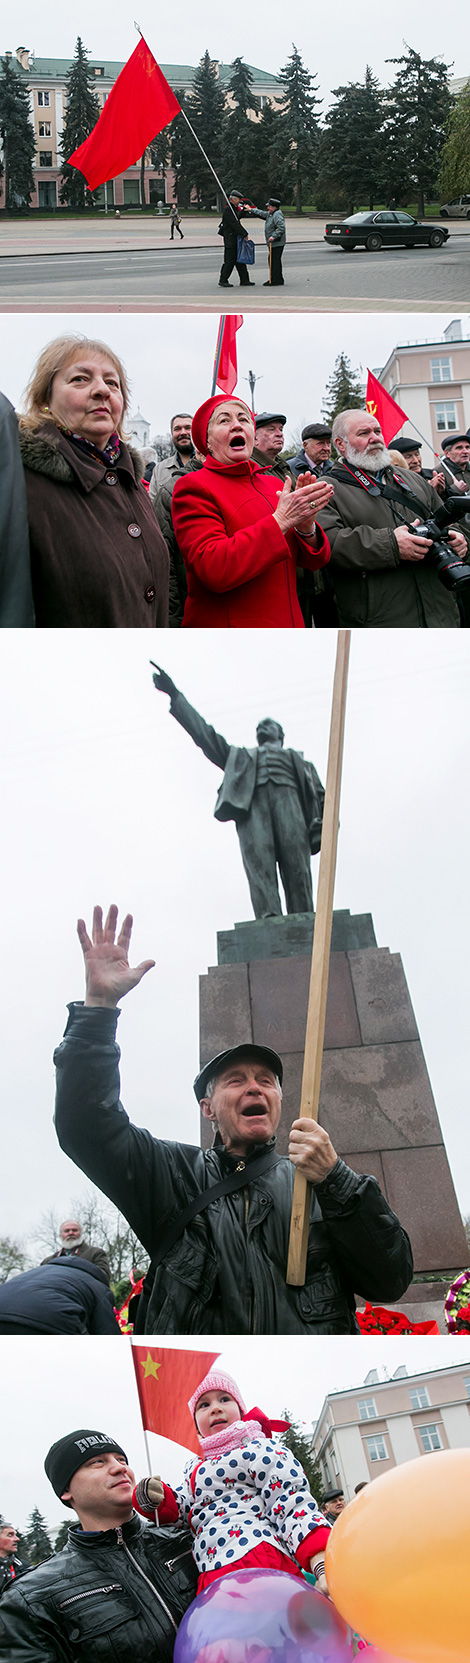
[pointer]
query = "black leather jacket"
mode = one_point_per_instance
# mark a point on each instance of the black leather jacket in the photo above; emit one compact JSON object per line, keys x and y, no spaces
{"x":11,"y":1569}
{"x":227,"y":1272}
{"x":117,"y":1594}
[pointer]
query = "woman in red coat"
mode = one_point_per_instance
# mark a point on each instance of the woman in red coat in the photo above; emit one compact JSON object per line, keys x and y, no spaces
{"x":241,"y":535}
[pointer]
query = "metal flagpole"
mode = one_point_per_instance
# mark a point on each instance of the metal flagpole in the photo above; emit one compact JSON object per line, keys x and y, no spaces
{"x":218,"y":353}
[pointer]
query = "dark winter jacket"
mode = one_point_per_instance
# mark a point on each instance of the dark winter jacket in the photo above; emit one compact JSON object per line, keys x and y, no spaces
{"x":117,"y":1594}
{"x":301,"y":463}
{"x":227,"y":1272}
{"x":98,"y":558}
{"x":65,"y":1296}
{"x":10,"y":1570}
{"x":85,"y":1250}
{"x":374,"y":588}
{"x":16,"y":600}
{"x":232,"y":228}
{"x":161,"y":492}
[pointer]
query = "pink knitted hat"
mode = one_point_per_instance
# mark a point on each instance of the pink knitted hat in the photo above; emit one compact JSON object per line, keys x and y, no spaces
{"x":216,"y":1381}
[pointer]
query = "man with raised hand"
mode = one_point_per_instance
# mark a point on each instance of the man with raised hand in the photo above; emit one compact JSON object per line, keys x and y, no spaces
{"x":216,"y":1222}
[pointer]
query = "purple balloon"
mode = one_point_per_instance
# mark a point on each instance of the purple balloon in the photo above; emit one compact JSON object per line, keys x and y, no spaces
{"x":262,"y":1617}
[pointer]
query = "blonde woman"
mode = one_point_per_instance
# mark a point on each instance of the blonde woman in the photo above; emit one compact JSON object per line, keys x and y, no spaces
{"x":98,"y":558}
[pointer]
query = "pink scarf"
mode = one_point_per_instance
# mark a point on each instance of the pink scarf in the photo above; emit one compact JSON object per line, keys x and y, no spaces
{"x":239,"y":1433}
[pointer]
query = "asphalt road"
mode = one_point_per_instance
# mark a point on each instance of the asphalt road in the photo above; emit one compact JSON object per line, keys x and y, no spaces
{"x":182,"y":278}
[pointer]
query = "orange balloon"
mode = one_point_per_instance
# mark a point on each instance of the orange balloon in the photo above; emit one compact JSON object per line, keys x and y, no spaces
{"x":398,"y":1560}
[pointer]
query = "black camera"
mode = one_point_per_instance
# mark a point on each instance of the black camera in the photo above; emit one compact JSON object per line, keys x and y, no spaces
{"x":452,"y":571}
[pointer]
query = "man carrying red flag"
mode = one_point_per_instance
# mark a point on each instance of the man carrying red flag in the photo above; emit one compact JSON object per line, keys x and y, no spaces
{"x":382,"y":572}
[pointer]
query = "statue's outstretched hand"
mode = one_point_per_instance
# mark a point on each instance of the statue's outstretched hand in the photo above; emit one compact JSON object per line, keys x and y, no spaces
{"x":162,"y":681}
{"x":107,"y":969}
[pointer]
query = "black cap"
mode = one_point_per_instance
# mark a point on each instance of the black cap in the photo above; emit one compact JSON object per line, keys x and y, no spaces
{"x":273,"y":202}
{"x":404,"y":445}
{"x":69,"y":1453}
{"x":455,"y":439}
{"x":316,"y":430}
{"x":235,"y":192}
{"x":269,"y":416}
{"x":217,"y":1063}
{"x":332,"y":1495}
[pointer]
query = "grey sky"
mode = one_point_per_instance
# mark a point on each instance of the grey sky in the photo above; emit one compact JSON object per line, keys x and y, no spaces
{"x":50,"y":1387}
{"x":169,"y":358}
{"x":334,"y":45}
{"x":106,"y":798}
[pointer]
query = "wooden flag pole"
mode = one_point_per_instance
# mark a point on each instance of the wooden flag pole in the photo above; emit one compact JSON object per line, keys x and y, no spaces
{"x":315,"y":1029}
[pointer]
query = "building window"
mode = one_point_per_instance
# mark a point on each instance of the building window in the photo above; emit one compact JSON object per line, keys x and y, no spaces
{"x":44,"y":129}
{"x":367,"y":1409}
{"x":47,"y":193}
{"x":99,"y":71}
{"x":377,"y":1448}
{"x":441,"y":369}
{"x":430,"y":1438}
{"x":467,"y":1384}
{"x":446,"y":418}
{"x":45,"y":158}
{"x":419,"y":1397}
{"x":44,"y":100}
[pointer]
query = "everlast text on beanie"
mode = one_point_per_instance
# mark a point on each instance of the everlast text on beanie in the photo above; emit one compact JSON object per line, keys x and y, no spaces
{"x":69,"y":1453}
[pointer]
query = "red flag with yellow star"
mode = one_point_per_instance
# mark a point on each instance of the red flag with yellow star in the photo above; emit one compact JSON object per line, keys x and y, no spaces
{"x":165,"y":1381}
{"x":380,"y":404}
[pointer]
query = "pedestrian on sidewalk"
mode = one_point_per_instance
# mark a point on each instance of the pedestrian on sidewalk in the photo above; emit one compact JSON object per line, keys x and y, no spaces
{"x":175,"y":222}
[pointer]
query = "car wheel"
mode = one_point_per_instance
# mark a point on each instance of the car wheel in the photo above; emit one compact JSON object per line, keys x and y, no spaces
{"x":436,"y":239}
{"x":444,"y":214}
{"x":373,"y":243}
{"x":467,"y":216}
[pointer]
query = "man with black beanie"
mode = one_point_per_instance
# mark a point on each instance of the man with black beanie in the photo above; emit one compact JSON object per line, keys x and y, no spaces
{"x":120,"y":1586}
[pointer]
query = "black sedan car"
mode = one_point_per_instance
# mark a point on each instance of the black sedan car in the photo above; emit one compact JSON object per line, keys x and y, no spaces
{"x":383,"y":230}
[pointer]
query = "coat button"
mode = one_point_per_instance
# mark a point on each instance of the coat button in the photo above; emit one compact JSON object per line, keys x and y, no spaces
{"x":149,"y":594}
{"x":134,"y":530}
{"x":111,"y":478}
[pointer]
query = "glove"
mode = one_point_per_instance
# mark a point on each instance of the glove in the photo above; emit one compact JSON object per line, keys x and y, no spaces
{"x":155,"y":1492}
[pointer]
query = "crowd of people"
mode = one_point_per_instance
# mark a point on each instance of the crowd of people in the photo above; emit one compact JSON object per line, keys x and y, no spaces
{"x":228,"y":532}
{"x":244,"y":1505}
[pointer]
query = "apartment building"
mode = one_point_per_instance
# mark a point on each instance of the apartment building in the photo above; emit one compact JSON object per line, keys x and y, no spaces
{"x":46,"y":82}
{"x":431,"y":381}
{"x":365,"y":1431}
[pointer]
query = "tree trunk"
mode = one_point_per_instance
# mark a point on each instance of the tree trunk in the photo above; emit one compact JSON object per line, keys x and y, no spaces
{"x":420,"y":202}
{"x":142,"y":182}
{"x":298,"y":191}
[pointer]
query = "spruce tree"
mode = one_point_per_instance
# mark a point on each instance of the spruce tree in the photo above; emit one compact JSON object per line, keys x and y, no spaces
{"x":184,"y":152}
{"x":300,"y":125}
{"x":300,"y":1442}
{"x":343,"y":392}
{"x":82,"y":111}
{"x":18,"y":140}
{"x":265,"y":162}
{"x":419,"y":105}
{"x":350,"y":152}
{"x":38,"y":1542}
{"x":206,"y":111}
{"x":62,"y":1535}
{"x":454,"y":176}
{"x":238,"y":127}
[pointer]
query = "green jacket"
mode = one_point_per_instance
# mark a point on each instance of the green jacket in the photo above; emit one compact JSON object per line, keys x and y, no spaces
{"x":375,"y":589}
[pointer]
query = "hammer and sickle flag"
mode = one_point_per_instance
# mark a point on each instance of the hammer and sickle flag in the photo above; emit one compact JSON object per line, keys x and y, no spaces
{"x":165,"y":1380}
{"x":380,"y":404}
{"x":140,"y":105}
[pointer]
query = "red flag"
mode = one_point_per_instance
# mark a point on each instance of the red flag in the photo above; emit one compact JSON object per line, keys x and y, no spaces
{"x":225,"y":362}
{"x":165,"y":1381}
{"x":379,"y":404}
{"x":139,"y":105}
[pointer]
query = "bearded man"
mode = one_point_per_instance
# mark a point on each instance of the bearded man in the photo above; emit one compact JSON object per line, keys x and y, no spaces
{"x":381,"y":575}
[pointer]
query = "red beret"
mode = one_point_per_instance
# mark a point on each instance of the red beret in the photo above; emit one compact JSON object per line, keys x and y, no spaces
{"x":202,"y":418}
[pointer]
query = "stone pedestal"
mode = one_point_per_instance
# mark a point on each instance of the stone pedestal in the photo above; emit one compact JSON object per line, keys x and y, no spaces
{"x":376,"y":1100}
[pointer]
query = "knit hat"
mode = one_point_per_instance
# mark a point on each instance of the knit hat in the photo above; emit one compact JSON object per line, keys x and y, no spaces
{"x":203,"y":415}
{"x":216,"y":1381}
{"x":65,"y":1457}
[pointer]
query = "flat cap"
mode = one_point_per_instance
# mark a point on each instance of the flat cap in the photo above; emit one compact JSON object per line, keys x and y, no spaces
{"x":219,"y":1062}
{"x":454,"y":439}
{"x":269,"y":416}
{"x":404,"y":445}
{"x":316,"y":430}
{"x":332,"y":1495}
{"x":273,"y":202}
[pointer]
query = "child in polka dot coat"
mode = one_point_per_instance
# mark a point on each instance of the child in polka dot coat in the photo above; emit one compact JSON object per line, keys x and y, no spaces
{"x":247,"y":1502}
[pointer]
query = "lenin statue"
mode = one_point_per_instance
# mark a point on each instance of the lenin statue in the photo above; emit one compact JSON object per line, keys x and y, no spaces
{"x":275,"y":798}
